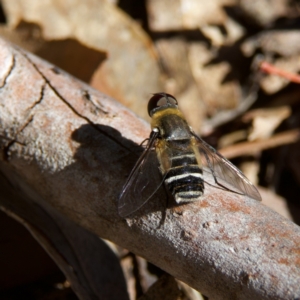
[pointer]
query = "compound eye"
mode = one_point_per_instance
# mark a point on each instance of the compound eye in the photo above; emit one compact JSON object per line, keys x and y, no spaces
{"x":171,"y":100}
{"x":160,"y":100}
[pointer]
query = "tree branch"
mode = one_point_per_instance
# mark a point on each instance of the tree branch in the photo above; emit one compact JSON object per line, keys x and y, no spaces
{"x":68,"y":147}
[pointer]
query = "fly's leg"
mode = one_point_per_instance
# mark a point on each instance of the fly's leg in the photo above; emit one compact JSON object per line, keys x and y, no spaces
{"x":143,"y":143}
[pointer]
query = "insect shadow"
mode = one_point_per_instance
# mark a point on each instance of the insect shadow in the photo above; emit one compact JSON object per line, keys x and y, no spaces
{"x":107,"y":158}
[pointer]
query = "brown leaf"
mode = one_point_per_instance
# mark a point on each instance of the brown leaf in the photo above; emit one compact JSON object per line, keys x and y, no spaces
{"x":130,"y":73}
{"x":265,"y":121}
{"x":215,"y":94}
{"x":264,"y":12}
{"x":185,"y":14}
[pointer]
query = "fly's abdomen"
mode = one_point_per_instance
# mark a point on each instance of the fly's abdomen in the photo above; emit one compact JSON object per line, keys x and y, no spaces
{"x":185,"y":178}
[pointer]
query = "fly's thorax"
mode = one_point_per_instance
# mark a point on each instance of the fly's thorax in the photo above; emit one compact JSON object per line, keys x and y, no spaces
{"x":171,"y":124}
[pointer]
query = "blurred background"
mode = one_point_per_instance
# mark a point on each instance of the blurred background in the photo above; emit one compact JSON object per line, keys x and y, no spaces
{"x":209,"y":55}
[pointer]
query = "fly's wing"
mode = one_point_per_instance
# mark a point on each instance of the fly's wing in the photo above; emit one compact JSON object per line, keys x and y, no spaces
{"x":224,"y":173}
{"x":142,"y":183}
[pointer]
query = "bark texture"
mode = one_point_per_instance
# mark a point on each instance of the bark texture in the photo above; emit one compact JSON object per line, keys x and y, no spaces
{"x":67,"y":150}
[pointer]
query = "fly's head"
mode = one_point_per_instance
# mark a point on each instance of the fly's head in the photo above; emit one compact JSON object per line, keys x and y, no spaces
{"x":161,"y":101}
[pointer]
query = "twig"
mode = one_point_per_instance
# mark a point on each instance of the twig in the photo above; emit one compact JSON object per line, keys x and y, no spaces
{"x":271,"y":69}
{"x":254,"y":147}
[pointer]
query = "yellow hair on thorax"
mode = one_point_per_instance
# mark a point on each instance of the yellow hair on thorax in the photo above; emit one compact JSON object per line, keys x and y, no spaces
{"x":156,"y":117}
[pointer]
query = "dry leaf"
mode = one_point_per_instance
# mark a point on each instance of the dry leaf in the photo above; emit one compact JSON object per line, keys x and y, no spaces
{"x":215,"y":94}
{"x":264,"y":12}
{"x":265,"y":121}
{"x":180,"y":81}
{"x":274,"y":83}
{"x":280,"y":42}
{"x":130,"y":73}
{"x":167,"y":15}
{"x":218,"y":38}
{"x":273,"y":43}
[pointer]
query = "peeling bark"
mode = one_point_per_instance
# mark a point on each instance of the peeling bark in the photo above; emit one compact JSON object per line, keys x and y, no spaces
{"x":68,"y":147}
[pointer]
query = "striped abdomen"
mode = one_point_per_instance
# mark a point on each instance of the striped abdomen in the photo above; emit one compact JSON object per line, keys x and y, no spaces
{"x":185,"y":178}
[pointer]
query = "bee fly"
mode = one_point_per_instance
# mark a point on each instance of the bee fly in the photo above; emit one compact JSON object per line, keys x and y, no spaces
{"x":185,"y":162}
